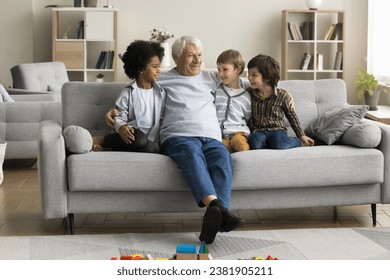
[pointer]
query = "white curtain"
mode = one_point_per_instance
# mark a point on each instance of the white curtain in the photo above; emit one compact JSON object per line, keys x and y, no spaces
{"x":378,"y":56}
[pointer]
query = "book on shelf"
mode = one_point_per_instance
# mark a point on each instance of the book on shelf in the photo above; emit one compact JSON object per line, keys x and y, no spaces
{"x":333,"y":31}
{"x":320,"y":62}
{"x":305,"y":61}
{"x":298,"y":31}
{"x":291,"y":31}
{"x":338,"y":61}
{"x":295,"y":31}
{"x":79,"y":33}
{"x":307,"y":30}
{"x":328,"y":32}
{"x":336,"y":31}
{"x":105,"y":60}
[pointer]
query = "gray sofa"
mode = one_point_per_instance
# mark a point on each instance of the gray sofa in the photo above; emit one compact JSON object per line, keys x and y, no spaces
{"x":19,"y":122}
{"x":325,"y":175}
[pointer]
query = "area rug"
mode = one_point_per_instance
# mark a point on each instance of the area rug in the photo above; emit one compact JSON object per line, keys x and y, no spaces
{"x":289,"y":244}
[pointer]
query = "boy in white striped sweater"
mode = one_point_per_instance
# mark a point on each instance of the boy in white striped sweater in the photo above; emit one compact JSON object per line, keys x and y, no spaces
{"x":233,"y":102}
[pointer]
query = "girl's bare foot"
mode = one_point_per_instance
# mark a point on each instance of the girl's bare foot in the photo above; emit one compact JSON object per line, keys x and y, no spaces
{"x":98,"y":143}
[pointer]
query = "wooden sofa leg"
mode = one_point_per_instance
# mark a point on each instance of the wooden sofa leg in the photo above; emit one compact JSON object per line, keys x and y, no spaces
{"x":71,"y":223}
{"x":373,"y":212}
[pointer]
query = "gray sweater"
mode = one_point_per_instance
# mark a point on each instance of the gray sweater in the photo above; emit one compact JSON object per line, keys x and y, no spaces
{"x":189,"y":108}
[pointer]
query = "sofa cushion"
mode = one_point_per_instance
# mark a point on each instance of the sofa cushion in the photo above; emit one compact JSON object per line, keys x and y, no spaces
{"x":364,"y":135}
{"x":331,"y":125}
{"x":299,"y":167}
{"x":307,"y":167}
{"x":123,"y":171}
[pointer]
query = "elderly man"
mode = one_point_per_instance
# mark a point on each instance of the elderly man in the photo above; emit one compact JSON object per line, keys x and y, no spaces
{"x":191,"y":136}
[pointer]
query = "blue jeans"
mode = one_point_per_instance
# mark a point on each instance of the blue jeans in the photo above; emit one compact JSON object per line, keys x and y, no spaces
{"x":206,"y":165}
{"x":276,"y":139}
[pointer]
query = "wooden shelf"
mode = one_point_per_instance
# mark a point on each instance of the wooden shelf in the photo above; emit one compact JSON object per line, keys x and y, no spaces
{"x":293,"y":50}
{"x":80,"y":55}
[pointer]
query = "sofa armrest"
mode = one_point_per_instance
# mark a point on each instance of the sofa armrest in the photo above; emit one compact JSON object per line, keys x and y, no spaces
{"x":384,"y":147}
{"x":52,"y":169}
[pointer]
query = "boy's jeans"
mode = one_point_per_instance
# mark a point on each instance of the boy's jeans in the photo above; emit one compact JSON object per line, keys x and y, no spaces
{"x":206,"y":165}
{"x":276,"y":139}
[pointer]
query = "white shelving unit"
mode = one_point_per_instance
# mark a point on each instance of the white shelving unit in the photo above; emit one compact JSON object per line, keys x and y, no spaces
{"x":80,"y":49}
{"x":294,"y":49}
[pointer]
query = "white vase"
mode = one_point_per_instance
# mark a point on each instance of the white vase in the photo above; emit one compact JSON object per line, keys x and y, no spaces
{"x":313,"y":4}
{"x":3,"y":145}
{"x":166,"y":62}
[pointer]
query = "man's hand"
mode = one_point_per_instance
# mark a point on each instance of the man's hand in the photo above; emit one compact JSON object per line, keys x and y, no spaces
{"x":127,"y":134}
{"x":110,"y":117}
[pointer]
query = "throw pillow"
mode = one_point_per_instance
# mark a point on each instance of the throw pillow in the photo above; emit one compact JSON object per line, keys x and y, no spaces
{"x":78,"y":140}
{"x":330,"y":126}
{"x":364,"y":135}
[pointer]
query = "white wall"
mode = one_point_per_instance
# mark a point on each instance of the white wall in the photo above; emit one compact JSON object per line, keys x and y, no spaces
{"x":16,"y":36}
{"x":250,"y":26}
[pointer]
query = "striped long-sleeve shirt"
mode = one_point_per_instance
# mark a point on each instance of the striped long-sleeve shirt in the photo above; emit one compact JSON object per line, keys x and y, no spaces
{"x":233,"y":110}
{"x":269,"y":113}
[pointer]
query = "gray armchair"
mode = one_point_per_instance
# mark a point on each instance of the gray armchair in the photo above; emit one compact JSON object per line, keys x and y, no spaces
{"x":43,"y":77}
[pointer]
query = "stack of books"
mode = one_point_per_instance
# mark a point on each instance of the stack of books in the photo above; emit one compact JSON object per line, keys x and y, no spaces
{"x":305,"y":62}
{"x":105,"y":60}
{"x":333,"y":31}
{"x":302,"y":32}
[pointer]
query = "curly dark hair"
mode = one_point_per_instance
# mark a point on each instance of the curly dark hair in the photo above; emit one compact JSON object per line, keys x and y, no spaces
{"x":138,"y":54}
{"x":268,"y":67}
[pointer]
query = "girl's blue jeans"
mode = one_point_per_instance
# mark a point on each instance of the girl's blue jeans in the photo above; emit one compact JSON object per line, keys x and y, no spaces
{"x":277,"y":139}
{"x":206,"y":165}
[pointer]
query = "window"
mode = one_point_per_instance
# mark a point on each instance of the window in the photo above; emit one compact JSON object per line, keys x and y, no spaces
{"x":378,"y":57}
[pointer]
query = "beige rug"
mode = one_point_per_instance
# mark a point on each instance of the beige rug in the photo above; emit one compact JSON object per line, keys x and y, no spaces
{"x":291,"y":244}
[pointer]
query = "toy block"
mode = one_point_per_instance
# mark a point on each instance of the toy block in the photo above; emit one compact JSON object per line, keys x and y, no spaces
{"x":203,"y":249}
{"x":186,"y":249}
{"x":186,"y":256}
{"x":148,"y":257}
{"x":203,"y":257}
{"x":131,"y":257}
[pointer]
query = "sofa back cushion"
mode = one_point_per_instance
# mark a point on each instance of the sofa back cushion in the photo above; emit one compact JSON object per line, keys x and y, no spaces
{"x":43,"y":76}
{"x":86,"y":104}
{"x":313,"y":98}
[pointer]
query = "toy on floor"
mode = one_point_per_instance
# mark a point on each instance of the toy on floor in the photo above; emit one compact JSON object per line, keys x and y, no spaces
{"x":134,"y":257}
{"x":185,"y":252}
{"x":190,"y":252}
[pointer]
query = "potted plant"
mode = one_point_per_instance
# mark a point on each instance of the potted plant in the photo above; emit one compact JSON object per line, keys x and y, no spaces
{"x":368,"y":86}
{"x":99,"y":78}
{"x":161,"y":37}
